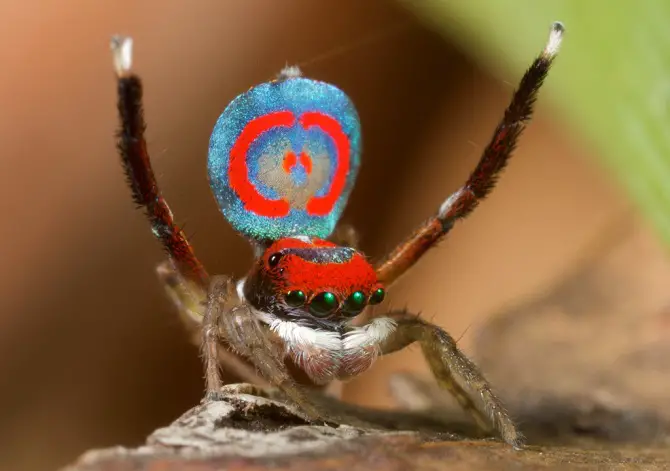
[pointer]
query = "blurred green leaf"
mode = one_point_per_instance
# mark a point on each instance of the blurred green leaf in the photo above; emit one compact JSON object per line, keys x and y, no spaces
{"x":610,"y":83}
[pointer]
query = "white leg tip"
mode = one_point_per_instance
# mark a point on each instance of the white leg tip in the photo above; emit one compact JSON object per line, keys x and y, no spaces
{"x":555,"y":39}
{"x":122,"y":54}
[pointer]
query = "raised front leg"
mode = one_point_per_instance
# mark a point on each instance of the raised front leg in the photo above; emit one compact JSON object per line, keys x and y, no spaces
{"x":132,"y":147}
{"x":482,"y":180}
{"x":183,"y":276}
{"x":453,"y":371}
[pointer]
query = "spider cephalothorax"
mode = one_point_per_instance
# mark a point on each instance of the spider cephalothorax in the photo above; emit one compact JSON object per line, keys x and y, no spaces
{"x":309,"y":291}
{"x":310,"y":278}
{"x":283,"y":158}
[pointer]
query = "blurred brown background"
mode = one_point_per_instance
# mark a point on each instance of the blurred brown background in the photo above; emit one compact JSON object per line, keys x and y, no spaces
{"x":91,"y":353}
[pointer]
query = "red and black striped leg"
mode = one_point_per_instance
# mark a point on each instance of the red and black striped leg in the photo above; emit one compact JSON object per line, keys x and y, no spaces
{"x":183,"y":276}
{"x":137,"y":165}
{"x":484,"y":177}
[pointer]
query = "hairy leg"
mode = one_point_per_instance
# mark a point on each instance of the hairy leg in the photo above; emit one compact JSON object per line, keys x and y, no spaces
{"x":233,"y":322}
{"x":189,"y":298}
{"x":453,"y":370}
{"x":482,"y":180}
{"x":193,"y":304}
{"x":183,"y":276}
{"x":221,"y":300}
{"x":132,"y":148}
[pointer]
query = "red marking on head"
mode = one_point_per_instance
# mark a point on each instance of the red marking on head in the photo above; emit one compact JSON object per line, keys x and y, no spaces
{"x":306,"y":161}
{"x":296,"y":273}
{"x":238,"y":168}
{"x":289,"y":162}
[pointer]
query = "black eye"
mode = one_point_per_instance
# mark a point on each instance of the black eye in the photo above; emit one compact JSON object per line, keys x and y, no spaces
{"x":295,"y":298}
{"x":377,"y":296}
{"x":274,"y":259}
{"x":354,"y":304}
{"x":323,"y":304}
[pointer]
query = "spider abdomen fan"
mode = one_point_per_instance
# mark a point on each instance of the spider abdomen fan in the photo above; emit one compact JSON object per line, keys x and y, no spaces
{"x":284,"y":156}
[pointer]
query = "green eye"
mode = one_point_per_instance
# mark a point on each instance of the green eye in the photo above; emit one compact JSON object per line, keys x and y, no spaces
{"x":354,"y":304}
{"x":377,"y":296}
{"x":295,"y":298}
{"x":323,"y":304}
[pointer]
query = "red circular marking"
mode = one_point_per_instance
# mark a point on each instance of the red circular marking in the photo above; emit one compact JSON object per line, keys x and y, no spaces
{"x":238,"y":170}
{"x":322,"y":205}
{"x":306,"y":162}
{"x":289,"y":162}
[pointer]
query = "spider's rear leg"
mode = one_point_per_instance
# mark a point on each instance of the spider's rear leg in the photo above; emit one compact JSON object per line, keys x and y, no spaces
{"x":229,"y":320}
{"x":454,"y":372}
